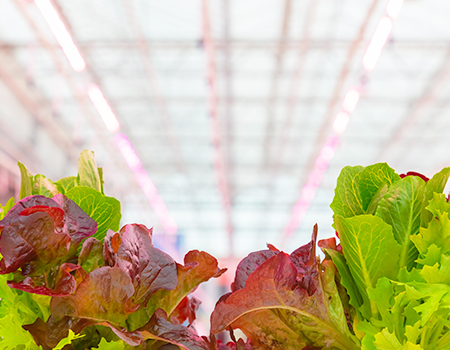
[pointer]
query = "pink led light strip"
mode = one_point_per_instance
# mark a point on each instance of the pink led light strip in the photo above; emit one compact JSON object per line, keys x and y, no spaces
{"x":341,"y":121}
{"x":62,"y":35}
{"x":106,"y":113}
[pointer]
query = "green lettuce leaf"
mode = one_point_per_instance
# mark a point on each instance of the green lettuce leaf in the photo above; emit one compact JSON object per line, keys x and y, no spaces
{"x":35,"y":185}
{"x":372,"y":178}
{"x":66,"y":183}
{"x":401,"y":207}
{"x":5,"y":208}
{"x":43,"y":186}
{"x":112,"y":345}
{"x":26,"y":182}
{"x":347,"y":199}
{"x":328,"y":246}
{"x":88,"y":172}
{"x":371,"y":252}
{"x":68,"y":340}
{"x":438,"y":230}
{"x":435,"y":185}
{"x":16,"y":310}
{"x":104,"y":210}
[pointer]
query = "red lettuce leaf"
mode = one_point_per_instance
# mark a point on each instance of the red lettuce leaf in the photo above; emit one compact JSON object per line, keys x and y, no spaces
{"x":23,"y":204}
{"x":50,"y":333}
{"x":32,"y":240}
{"x":131,"y":338}
{"x":185,"y":310}
{"x":38,"y":330}
{"x":91,"y":255}
{"x":158,"y":328}
{"x":65,"y":283}
{"x":277,"y":310}
{"x":413,"y":173}
{"x":104,"y":295}
{"x":149,"y":268}
{"x":239,"y":345}
{"x":77,"y":224}
{"x":249,"y":264}
{"x":39,"y":236}
{"x":199,"y":267}
{"x":304,"y":259}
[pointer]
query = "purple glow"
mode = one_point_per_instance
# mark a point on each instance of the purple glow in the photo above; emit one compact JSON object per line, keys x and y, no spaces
{"x":128,"y":152}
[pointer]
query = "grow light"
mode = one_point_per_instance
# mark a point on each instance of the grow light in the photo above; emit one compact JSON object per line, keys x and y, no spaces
{"x":62,"y":35}
{"x":128,"y":152}
{"x":103,"y":108}
{"x":377,"y":43}
{"x":341,"y":122}
{"x":393,"y":8}
{"x":351,"y":100}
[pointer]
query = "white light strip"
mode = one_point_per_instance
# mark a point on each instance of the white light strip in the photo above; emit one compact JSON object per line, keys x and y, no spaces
{"x":62,"y":35}
{"x":351,"y":100}
{"x":393,"y":8}
{"x":341,"y":122}
{"x":103,"y":108}
{"x":377,"y":43}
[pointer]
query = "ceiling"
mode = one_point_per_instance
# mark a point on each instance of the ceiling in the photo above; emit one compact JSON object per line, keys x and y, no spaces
{"x":227,"y":106}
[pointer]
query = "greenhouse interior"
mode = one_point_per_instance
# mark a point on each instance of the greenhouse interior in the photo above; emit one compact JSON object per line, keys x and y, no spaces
{"x":224,"y":127}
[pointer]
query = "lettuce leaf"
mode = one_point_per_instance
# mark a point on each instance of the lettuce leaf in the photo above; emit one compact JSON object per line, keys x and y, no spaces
{"x":401,"y":207}
{"x":162,"y":331}
{"x":149,"y":268}
{"x":104,"y":210}
{"x":370,"y":251}
{"x":275,"y":309}
{"x":88,"y":172}
{"x":372,"y":178}
{"x":347,"y":199}
{"x":40,"y":236}
{"x":198,"y":267}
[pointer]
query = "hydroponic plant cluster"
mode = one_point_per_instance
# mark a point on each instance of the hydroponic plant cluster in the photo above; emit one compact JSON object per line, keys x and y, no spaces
{"x":71,"y":278}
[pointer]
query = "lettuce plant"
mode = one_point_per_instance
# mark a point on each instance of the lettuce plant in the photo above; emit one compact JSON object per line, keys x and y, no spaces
{"x":71,"y":278}
{"x":386,"y":285}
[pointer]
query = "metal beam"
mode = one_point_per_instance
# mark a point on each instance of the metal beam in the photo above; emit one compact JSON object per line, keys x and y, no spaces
{"x":241,"y":44}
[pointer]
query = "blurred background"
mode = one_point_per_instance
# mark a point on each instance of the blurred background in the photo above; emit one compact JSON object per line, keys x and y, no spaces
{"x":223,"y":124}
